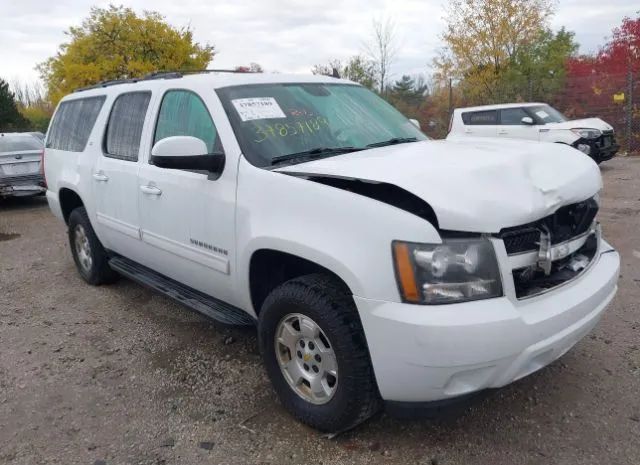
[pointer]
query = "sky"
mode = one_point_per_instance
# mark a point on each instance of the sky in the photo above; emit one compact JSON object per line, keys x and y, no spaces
{"x":281,"y":35}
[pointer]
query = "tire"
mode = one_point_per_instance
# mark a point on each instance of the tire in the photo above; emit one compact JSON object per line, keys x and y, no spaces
{"x":90,"y":257}
{"x":326,"y":302}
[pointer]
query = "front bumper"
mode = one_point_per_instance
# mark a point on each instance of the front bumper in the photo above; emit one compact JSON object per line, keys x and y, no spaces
{"x":423,"y":353}
{"x":601,"y":149}
{"x":24,"y":185}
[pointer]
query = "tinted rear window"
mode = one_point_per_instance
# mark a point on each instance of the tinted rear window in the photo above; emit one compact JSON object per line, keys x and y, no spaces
{"x":480,"y":117}
{"x":73,"y":123}
{"x":125,"y":125}
{"x":19,"y":143}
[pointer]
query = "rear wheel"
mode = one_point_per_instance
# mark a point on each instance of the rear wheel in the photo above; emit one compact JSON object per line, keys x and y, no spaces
{"x":316,"y":355}
{"x":90,"y":257}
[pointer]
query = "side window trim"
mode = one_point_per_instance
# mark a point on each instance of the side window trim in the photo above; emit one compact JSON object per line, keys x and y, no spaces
{"x":159,"y":109}
{"x":105,"y":135}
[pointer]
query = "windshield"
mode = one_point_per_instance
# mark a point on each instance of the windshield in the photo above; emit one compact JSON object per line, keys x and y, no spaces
{"x":276,"y":122}
{"x":19,"y":143}
{"x":543,"y":114}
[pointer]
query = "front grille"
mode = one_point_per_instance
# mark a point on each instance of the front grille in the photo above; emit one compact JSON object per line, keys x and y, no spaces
{"x":567,"y":222}
{"x":531,"y":281}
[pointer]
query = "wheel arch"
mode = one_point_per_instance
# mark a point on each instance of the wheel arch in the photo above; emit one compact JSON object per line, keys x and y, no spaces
{"x":269,"y":268}
{"x":69,"y":201}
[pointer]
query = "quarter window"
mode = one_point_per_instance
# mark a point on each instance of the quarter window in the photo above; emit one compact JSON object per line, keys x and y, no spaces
{"x":183,"y":113}
{"x":512,"y":116}
{"x":480,"y":118}
{"x":124,"y":129}
{"x":73,"y":123}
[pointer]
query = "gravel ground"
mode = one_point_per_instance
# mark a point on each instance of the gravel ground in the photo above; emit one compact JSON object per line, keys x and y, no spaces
{"x":120,"y":375}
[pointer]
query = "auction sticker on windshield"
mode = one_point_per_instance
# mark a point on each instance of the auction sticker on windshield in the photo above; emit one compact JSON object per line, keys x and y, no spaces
{"x":254,"y":108}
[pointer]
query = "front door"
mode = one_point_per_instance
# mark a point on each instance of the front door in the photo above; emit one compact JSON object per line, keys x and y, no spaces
{"x":512,"y":127}
{"x":115,"y":175}
{"x":187,"y":218}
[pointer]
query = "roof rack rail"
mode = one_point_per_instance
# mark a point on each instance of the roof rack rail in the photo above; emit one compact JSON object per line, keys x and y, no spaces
{"x":159,"y":75}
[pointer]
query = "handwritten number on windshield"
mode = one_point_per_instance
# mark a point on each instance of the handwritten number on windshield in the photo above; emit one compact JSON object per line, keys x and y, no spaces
{"x":308,"y":126}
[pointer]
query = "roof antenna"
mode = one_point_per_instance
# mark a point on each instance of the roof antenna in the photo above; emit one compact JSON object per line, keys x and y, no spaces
{"x":335,"y":73}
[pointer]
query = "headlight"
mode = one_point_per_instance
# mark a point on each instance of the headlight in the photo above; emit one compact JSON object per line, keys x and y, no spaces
{"x":458,"y":270}
{"x":587,"y":133}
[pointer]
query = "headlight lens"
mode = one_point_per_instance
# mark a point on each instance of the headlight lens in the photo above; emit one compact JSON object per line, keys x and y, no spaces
{"x":587,"y":133}
{"x":458,"y":270}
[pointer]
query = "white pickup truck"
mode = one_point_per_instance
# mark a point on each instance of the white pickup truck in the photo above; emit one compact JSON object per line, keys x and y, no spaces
{"x":537,"y":122}
{"x":380,"y":268}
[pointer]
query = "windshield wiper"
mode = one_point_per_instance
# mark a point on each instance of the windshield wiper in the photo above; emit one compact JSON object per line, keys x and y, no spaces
{"x":313,"y":154}
{"x":393,"y":141}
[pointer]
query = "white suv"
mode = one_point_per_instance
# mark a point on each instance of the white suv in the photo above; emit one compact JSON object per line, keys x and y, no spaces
{"x":379,"y":266}
{"x":538,"y":122}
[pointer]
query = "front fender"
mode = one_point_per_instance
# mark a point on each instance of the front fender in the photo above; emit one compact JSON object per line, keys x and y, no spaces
{"x":347,"y":233}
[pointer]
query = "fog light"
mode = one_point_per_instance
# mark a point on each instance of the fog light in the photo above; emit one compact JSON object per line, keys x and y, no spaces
{"x":585,"y":148}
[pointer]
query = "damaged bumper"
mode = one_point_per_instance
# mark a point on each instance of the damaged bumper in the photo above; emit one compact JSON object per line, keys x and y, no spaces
{"x":425,"y":354}
{"x":601,"y":149}
{"x":18,"y":186}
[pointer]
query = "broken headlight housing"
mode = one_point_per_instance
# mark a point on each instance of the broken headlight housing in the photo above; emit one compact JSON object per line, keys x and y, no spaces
{"x":458,"y":270}
{"x":587,"y":133}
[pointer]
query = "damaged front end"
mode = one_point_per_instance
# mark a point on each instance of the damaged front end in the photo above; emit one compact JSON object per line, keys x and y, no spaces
{"x":554,"y":250}
{"x":601,"y":148}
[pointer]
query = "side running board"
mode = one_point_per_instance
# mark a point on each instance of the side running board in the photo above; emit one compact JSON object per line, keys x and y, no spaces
{"x":196,"y":300}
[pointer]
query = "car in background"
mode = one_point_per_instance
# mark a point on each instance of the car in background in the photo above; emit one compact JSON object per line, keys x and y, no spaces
{"x":538,"y":122}
{"x":20,"y":165}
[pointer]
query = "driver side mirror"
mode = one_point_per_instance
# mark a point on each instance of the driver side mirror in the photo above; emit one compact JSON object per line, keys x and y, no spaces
{"x":415,"y":122}
{"x":528,"y":120}
{"x":185,"y":153}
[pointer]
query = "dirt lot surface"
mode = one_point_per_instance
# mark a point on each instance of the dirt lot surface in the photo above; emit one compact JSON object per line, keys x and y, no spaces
{"x":120,"y":375}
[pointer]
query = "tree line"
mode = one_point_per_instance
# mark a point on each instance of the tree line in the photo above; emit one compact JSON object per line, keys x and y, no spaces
{"x":493,"y":51}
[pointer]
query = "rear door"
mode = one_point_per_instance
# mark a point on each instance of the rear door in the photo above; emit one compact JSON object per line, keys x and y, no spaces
{"x":512,"y":127}
{"x":481,"y":123}
{"x":115,"y":174}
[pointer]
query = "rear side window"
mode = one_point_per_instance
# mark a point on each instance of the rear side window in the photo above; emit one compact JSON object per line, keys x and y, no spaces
{"x":183,"y":113}
{"x":480,"y":118}
{"x":73,"y":123}
{"x":124,"y":128}
{"x":512,"y":116}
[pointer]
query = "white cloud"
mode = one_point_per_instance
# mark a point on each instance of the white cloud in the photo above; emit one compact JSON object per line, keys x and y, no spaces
{"x":281,"y":35}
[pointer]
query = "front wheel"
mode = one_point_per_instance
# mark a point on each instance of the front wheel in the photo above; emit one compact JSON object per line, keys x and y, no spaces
{"x":315,"y":353}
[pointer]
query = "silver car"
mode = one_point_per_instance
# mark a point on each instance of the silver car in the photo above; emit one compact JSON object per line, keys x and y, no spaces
{"x":20,"y":173}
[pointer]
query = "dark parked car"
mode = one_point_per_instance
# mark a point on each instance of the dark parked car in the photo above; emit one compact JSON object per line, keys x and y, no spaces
{"x":20,"y":170}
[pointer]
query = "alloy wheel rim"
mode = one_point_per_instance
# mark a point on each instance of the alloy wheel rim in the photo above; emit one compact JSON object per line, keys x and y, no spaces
{"x":306,"y":358}
{"x":83,"y":249}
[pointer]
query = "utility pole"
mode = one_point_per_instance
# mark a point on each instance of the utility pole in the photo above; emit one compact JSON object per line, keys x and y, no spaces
{"x":629,"y":107}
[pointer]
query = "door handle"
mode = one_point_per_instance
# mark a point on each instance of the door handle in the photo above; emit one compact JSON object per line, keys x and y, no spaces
{"x":150,"y":190}
{"x":503,"y":131}
{"x":100,"y":177}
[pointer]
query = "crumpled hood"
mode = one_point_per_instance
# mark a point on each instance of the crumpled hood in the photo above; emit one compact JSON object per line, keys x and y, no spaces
{"x":591,"y":123}
{"x":475,"y":185}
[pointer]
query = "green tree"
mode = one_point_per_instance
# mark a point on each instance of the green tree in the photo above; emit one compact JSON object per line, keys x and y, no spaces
{"x":484,"y":38}
{"x":10,"y":117}
{"x":115,"y":43}
{"x":538,"y":70}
